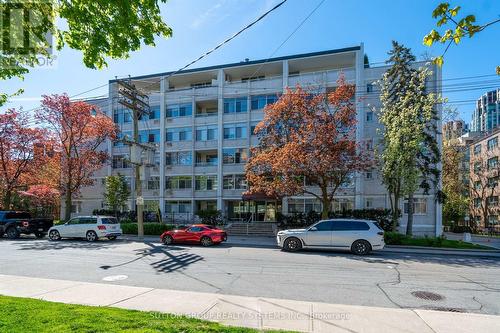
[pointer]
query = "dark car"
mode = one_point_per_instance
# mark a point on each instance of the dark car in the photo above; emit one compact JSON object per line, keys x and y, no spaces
{"x":15,"y":223}
{"x":203,"y":234}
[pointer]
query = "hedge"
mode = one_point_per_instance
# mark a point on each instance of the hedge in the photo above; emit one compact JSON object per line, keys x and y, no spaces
{"x":154,"y":229}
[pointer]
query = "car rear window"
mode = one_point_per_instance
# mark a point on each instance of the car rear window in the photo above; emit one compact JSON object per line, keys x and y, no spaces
{"x":16,"y":216}
{"x":109,"y":220}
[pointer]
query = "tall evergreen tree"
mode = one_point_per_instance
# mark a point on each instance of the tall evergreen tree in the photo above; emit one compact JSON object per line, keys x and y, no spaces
{"x":410,"y":153}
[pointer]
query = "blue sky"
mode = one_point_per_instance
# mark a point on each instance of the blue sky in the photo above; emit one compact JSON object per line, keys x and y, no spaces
{"x":199,"y":25}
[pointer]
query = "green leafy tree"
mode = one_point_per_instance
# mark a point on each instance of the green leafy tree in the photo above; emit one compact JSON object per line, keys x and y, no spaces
{"x":116,"y":192}
{"x":98,"y":28}
{"x":410,"y":152}
{"x":458,"y":28}
{"x":455,"y":188}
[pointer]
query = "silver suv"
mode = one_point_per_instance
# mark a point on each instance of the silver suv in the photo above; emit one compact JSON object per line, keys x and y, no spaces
{"x":358,"y":236}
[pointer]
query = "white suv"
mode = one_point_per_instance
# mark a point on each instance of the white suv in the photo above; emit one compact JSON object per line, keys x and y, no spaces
{"x":89,"y":227}
{"x":358,"y":236}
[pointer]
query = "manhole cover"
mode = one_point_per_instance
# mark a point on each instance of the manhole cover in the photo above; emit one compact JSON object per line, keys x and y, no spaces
{"x":427,"y":295}
{"x":114,"y":278}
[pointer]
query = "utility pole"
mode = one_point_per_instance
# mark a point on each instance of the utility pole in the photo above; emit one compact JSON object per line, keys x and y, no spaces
{"x":138,"y":103}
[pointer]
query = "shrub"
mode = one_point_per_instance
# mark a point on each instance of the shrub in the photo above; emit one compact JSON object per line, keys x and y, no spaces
{"x":382,"y":216}
{"x":461,"y":229}
{"x":211,"y":217}
{"x":154,"y":229}
{"x":394,"y":238}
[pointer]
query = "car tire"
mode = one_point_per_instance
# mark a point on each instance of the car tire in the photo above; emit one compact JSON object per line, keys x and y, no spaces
{"x":167,"y":240}
{"x":12,"y":233}
{"x":206,"y":241}
{"x":54,"y":235}
{"x":1,"y":234}
{"x":91,"y":236}
{"x":361,"y":247}
{"x":292,"y":244}
{"x":39,"y":234}
{"x":112,"y":238}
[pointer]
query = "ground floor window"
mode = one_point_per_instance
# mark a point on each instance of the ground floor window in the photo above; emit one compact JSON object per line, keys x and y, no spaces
{"x":307,"y":205}
{"x":76,"y":207}
{"x":204,"y":205}
{"x":419,"y":206}
{"x":178,"y":207}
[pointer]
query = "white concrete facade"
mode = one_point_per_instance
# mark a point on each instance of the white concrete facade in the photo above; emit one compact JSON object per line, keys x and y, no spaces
{"x":209,"y":113}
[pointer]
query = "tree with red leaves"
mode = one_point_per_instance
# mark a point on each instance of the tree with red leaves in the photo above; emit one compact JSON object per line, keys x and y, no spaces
{"x":80,"y":130}
{"x":18,"y":160}
{"x":307,"y":145}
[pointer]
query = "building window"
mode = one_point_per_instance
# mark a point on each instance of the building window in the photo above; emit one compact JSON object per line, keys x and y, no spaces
{"x":154,"y":113}
{"x":178,"y":182}
{"x":477,"y":149}
{"x":149,"y":136}
{"x":206,"y":133}
{"x":477,"y":202}
{"x":179,"y":158}
{"x":369,"y":203}
{"x":492,"y":162}
{"x":234,"y":155}
{"x":127,"y":116}
{"x":477,"y":167}
{"x":182,"y":110}
{"x":493,"y":181}
{"x":492,"y":143}
{"x":369,"y":87}
{"x":234,"y":182}
{"x":179,"y":134}
{"x":369,"y":116}
{"x":369,"y":175}
{"x":493,"y":219}
{"x":235,"y":131}
{"x":419,"y":206}
{"x":119,"y":162}
{"x":206,"y":183}
{"x":235,"y":105}
{"x":369,"y":145}
{"x":76,"y":207}
{"x":154,"y":183}
{"x":178,"y":207}
{"x":261,"y":101}
{"x":252,"y":127}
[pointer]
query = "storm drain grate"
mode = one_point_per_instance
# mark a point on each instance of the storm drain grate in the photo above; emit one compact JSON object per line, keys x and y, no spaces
{"x":439,"y":308}
{"x":427,"y":295}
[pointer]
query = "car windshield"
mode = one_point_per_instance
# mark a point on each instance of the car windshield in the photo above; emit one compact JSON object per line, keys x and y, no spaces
{"x":109,"y":220}
{"x":378,"y":225}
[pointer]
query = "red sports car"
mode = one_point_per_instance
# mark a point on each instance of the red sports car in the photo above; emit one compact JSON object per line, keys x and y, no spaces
{"x":203,"y":234}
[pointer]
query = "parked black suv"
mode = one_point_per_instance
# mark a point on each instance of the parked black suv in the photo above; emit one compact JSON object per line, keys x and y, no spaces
{"x":14,"y":223}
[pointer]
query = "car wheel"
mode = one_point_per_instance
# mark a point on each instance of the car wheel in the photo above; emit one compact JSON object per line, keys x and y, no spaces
{"x":206,"y":241}
{"x":54,"y":235}
{"x":91,"y":236}
{"x":12,"y":233}
{"x":112,"y":237}
{"x":292,"y":244}
{"x":167,"y":240}
{"x":1,"y":234}
{"x":361,"y":247}
{"x":39,"y":234}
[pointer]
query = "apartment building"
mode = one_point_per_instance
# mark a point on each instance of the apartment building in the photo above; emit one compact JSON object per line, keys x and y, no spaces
{"x":486,"y":115}
{"x":484,"y":172}
{"x":202,"y":122}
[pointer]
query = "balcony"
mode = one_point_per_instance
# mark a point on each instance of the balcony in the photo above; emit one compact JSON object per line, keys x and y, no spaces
{"x":206,"y":109}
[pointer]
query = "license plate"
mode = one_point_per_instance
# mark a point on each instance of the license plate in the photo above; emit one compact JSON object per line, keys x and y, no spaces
{"x":40,"y":229}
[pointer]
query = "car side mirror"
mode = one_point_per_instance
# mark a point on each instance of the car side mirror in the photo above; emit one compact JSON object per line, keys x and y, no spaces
{"x":313,"y":229}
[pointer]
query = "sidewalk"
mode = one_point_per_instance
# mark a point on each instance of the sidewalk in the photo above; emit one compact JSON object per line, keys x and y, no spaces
{"x":256,"y":312}
{"x":270,"y":242}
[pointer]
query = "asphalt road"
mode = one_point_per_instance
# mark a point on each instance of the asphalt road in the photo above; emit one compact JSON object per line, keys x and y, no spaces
{"x":468,"y":284}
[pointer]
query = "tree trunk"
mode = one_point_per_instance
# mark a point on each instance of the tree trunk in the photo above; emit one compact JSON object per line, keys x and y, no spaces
{"x":68,"y":202}
{"x":409,"y":224}
{"x":325,"y":202}
{"x":395,"y":211}
{"x":7,"y":199}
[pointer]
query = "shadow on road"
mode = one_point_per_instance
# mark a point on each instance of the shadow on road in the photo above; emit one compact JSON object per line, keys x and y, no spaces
{"x":169,"y":261}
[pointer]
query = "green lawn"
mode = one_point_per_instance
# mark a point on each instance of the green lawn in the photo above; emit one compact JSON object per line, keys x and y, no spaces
{"x":29,"y":315}
{"x":392,"y":238}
